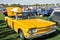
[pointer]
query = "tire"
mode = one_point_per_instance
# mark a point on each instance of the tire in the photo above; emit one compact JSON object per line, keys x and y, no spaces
{"x":21,"y":35}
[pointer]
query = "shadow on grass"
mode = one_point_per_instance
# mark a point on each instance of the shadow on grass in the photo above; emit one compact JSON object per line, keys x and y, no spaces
{"x":4,"y":32}
{"x":2,"y":22}
{"x":7,"y":33}
{"x":3,"y":29}
{"x":45,"y":37}
{"x":12,"y":39}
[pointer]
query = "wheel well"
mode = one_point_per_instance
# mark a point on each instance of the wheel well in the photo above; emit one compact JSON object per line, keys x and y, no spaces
{"x":19,"y":30}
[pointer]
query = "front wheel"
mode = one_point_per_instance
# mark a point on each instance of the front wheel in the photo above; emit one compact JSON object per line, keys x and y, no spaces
{"x":21,"y":35}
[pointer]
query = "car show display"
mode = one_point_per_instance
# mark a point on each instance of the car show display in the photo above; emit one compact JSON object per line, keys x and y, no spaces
{"x":27,"y":23}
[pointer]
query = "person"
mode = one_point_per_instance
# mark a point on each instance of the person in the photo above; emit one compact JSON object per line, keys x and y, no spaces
{"x":35,"y":10}
{"x":39,"y":11}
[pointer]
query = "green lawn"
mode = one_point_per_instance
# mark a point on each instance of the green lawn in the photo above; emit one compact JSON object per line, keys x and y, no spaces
{"x":8,"y":34}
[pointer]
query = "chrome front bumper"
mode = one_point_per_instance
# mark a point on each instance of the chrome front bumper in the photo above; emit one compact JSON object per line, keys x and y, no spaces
{"x":39,"y":35}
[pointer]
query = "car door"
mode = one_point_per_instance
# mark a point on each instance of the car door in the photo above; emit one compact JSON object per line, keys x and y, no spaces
{"x":10,"y":22}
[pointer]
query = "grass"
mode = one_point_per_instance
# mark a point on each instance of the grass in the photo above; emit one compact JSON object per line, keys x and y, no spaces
{"x":8,"y":34}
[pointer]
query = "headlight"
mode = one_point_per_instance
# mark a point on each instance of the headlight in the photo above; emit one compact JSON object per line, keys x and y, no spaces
{"x":31,"y":31}
{"x":53,"y":26}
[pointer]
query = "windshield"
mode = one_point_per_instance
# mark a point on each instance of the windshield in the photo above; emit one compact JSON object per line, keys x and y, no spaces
{"x":57,"y":14}
{"x":28,"y":15}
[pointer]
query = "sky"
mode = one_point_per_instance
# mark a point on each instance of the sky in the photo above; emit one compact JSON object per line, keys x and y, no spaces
{"x":29,"y":1}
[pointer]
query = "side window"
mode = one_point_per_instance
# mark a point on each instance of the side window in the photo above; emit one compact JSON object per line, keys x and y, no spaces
{"x":57,"y":14}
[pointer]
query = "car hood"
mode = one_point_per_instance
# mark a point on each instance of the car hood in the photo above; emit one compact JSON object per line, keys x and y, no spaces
{"x":35,"y":23}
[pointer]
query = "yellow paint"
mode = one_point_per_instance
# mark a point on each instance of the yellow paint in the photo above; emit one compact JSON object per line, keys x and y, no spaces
{"x":27,"y":24}
{"x":11,"y":13}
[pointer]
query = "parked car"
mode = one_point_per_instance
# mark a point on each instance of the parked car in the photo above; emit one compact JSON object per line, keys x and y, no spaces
{"x":29,"y":25}
{"x":55,"y":16}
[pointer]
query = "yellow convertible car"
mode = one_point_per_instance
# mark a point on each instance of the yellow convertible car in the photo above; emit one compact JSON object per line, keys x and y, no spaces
{"x":29,"y":25}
